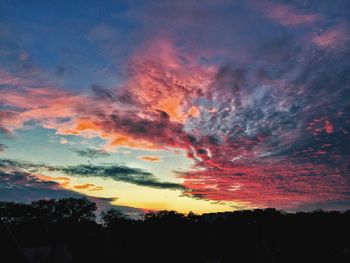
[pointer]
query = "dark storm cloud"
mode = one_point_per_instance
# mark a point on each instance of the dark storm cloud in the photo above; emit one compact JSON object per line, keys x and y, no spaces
{"x":24,"y":187}
{"x":119,"y":173}
{"x":18,"y":185}
{"x":21,"y":186}
{"x":116,"y":172}
{"x":91,"y":153}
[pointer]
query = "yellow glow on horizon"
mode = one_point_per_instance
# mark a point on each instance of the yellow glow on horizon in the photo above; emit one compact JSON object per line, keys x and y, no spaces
{"x":146,"y":197}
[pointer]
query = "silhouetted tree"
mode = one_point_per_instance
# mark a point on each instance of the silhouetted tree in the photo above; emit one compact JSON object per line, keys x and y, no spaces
{"x":68,"y":209}
{"x":165,"y":217}
{"x":113,"y":216}
{"x":260,"y":235}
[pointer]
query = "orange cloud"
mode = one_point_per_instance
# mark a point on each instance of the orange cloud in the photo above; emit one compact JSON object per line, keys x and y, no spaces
{"x":83,"y":186}
{"x":193,"y":112}
{"x":150,"y":158}
{"x":62,"y":181}
{"x":162,"y":85}
{"x":91,"y":187}
{"x":97,"y":188}
{"x":167,"y":80}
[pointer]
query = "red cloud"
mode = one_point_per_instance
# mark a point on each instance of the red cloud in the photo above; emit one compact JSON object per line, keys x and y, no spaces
{"x":155,"y":108}
{"x":282,"y":182}
{"x":328,"y":127}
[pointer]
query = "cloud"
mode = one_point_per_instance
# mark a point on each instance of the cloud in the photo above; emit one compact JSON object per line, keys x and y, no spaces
{"x":261,"y":113}
{"x":286,"y":15}
{"x":281,"y":183}
{"x":119,"y":173}
{"x":51,"y":107}
{"x":333,"y":38}
{"x":7,"y":79}
{"x":91,"y":153}
{"x":19,"y":185}
{"x":167,"y":80}
{"x":63,"y":141}
{"x":249,"y":120}
{"x":107,"y":117}
{"x":2,"y":147}
{"x":90,"y":187}
{"x":150,"y":158}
{"x":112,"y":171}
{"x":336,"y":205}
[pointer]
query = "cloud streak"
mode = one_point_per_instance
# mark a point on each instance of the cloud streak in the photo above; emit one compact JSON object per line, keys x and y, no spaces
{"x":115,"y":172}
{"x":20,"y":183}
{"x":150,"y":158}
{"x":91,"y":153}
{"x":119,"y":173}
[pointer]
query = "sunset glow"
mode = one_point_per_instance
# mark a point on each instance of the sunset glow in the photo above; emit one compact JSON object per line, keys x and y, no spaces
{"x":202,"y":106}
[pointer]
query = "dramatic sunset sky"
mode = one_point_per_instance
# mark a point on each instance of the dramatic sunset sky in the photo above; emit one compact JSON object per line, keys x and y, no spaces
{"x":199,"y":106}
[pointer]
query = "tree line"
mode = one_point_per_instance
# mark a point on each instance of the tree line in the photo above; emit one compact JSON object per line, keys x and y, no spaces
{"x":68,"y":230}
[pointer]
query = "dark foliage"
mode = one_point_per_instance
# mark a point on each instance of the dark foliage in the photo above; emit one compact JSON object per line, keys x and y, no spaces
{"x":66,"y":231}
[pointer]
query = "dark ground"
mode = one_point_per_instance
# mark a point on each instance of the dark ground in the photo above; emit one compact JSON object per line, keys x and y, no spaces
{"x":66,"y":231}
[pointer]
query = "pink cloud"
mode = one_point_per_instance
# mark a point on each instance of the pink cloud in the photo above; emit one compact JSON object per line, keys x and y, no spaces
{"x":167,"y":79}
{"x":8,"y":79}
{"x":286,"y":15}
{"x":283,"y":182}
{"x":45,"y":105}
{"x":154,"y":104}
{"x":333,"y":37}
{"x":162,"y":84}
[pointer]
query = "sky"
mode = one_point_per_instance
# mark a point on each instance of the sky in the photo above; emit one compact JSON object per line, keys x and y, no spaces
{"x":202,"y":106}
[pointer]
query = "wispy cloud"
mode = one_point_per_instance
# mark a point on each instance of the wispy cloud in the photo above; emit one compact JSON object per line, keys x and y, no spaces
{"x":119,"y":173}
{"x":91,"y":153}
{"x":112,"y":171}
{"x":286,"y":15}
